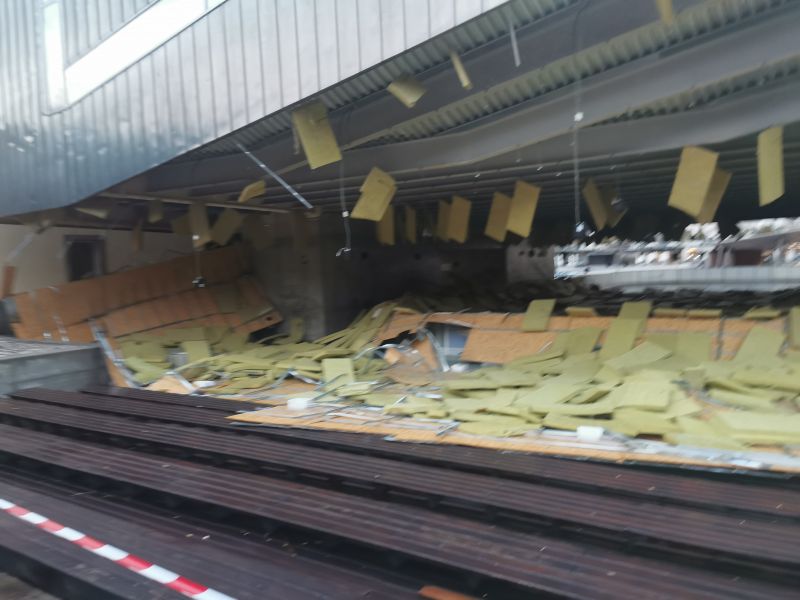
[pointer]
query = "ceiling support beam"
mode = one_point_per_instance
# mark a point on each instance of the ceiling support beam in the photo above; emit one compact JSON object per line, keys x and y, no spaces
{"x":602,"y":97}
{"x":541,"y":43}
{"x":719,"y":122}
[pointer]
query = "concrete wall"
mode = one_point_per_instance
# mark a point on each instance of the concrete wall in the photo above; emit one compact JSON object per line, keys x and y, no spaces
{"x":43,"y":261}
{"x":306,"y":278}
{"x":526,"y":263}
{"x":286,"y":259}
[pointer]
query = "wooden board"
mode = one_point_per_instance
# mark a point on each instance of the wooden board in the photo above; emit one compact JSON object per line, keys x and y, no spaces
{"x":316,"y":135}
{"x":497,"y":346}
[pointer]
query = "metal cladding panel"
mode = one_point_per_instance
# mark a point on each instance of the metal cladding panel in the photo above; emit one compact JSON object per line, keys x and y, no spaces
{"x":233,"y":65}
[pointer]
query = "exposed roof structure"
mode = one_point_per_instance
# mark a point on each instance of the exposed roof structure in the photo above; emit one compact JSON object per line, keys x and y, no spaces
{"x":643,"y":87}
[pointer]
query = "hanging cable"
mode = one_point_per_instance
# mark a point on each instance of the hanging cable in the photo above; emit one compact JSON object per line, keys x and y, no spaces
{"x":348,"y":237}
{"x":347,"y":248}
{"x":274,"y":175}
{"x":580,"y":230}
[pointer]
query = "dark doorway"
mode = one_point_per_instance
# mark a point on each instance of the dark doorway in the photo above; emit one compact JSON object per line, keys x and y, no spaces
{"x":85,"y":256}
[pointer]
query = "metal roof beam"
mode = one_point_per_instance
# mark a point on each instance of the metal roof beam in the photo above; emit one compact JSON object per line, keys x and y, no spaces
{"x":603,"y":97}
{"x":722,"y":121}
{"x":544,"y":41}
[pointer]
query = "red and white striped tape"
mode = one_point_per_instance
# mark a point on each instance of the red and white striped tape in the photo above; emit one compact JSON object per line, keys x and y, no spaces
{"x":131,"y":562}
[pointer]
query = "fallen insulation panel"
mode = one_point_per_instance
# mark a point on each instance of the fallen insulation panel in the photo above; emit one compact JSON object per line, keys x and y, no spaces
{"x":620,"y":337}
{"x":503,"y":346}
{"x":544,"y":381}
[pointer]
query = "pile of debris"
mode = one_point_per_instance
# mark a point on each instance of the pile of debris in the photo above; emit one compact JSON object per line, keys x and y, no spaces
{"x":726,"y":384}
{"x":227,"y":363}
{"x":468,"y":295}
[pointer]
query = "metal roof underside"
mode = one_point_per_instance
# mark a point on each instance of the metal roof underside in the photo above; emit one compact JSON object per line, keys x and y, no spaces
{"x":697,"y":22}
{"x":647,"y":89}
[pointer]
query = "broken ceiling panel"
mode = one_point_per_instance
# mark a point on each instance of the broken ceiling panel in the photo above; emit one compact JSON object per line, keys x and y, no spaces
{"x":693,"y":180}
{"x":377,"y":192}
{"x":497,"y":223}
{"x":523,"y":208}
{"x":316,"y":135}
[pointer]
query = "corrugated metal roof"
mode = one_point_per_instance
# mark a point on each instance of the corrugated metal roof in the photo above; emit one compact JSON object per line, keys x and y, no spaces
{"x":465,"y":38}
{"x":704,"y":95}
{"x":704,"y":20}
{"x":700,"y":21}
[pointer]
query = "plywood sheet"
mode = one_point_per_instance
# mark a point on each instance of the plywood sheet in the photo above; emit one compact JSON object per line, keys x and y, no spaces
{"x":693,"y":180}
{"x":771,"y":185}
{"x":316,"y":135}
{"x":523,"y":208}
